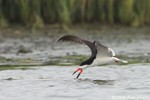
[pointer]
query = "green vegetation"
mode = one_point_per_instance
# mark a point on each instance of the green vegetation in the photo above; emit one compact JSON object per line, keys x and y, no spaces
{"x":66,"y":60}
{"x":37,"y":13}
{"x":69,"y":60}
{"x":15,"y":67}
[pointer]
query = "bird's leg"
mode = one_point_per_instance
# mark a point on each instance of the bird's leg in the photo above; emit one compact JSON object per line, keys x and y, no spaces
{"x":80,"y":72}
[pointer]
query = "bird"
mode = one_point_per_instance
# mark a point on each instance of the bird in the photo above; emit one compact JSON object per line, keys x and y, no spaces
{"x":100,"y":54}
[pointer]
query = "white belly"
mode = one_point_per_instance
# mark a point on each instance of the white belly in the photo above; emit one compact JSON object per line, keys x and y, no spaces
{"x":102,"y":61}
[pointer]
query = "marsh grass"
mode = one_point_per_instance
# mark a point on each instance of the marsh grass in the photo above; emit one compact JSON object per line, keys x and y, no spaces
{"x":37,"y":13}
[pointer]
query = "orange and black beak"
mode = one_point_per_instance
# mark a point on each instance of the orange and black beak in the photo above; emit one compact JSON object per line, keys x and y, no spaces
{"x":80,"y":72}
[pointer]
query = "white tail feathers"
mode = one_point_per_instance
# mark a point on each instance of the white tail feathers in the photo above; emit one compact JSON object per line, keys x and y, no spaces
{"x":124,"y":61}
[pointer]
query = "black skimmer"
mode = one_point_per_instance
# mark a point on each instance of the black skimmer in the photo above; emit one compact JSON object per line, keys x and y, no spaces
{"x":100,"y":54}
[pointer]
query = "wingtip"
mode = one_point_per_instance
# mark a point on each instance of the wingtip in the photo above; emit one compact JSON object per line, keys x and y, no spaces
{"x":58,"y":40}
{"x":68,"y":38}
{"x":61,"y":39}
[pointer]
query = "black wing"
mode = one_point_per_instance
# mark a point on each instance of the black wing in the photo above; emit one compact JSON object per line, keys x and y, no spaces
{"x":82,"y":41}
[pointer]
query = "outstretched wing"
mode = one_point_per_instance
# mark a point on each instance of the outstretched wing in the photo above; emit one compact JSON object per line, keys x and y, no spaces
{"x":103,"y":51}
{"x":82,"y":41}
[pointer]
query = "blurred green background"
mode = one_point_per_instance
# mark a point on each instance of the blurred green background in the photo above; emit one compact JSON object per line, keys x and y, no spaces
{"x":38,"y":13}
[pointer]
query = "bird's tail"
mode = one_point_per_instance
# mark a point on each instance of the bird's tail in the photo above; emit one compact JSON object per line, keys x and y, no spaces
{"x":124,"y":61}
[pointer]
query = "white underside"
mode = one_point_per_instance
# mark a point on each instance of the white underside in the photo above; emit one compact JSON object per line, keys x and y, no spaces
{"x":100,"y":61}
{"x":103,"y":61}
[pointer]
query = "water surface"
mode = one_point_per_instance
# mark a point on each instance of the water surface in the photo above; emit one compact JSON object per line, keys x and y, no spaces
{"x":46,"y":80}
{"x":57,"y":83}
